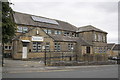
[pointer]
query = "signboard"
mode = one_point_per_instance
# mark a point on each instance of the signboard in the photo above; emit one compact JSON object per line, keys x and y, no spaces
{"x":37,"y":38}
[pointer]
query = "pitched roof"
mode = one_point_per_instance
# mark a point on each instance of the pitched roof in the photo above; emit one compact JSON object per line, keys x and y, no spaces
{"x":26,"y":19}
{"x":89,"y":28}
{"x":110,"y":45}
{"x":70,"y":39}
{"x":64,"y":38}
{"x":82,"y":42}
{"x":117,"y":47}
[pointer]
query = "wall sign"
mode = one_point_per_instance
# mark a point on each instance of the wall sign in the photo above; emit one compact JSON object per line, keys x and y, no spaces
{"x":37,"y":38}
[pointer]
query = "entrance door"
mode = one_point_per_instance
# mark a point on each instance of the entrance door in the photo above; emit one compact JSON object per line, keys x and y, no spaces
{"x":24,"y":51}
{"x":88,"y":50}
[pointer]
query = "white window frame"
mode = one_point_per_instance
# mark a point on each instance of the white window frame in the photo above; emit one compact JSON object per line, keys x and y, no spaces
{"x":45,"y":30}
{"x":19,"y":29}
{"x":49,"y":31}
{"x":95,"y":37}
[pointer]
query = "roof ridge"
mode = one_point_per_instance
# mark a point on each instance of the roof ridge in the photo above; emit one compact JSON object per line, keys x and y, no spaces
{"x":89,"y":28}
{"x":33,"y":15}
{"x":43,"y":17}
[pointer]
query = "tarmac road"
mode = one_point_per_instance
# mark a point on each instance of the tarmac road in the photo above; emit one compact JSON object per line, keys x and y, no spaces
{"x":103,"y":71}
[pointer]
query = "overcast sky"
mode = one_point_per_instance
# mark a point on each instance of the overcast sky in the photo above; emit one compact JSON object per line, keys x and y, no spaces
{"x":102,"y":14}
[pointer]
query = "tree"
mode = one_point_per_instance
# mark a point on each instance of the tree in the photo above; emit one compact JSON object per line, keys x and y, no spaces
{"x":8,"y":25}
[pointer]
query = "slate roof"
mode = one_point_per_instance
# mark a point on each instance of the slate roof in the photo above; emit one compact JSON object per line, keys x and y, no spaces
{"x":82,"y":42}
{"x":89,"y":28}
{"x":25,"y":19}
{"x":70,"y":39}
{"x":117,"y":47}
{"x":110,"y":45}
{"x":64,"y":38}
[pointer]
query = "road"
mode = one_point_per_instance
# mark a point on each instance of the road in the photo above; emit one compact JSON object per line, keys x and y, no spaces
{"x":103,"y":71}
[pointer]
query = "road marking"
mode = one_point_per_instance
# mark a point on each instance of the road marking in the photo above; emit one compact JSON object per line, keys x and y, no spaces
{"x":38,"y":71}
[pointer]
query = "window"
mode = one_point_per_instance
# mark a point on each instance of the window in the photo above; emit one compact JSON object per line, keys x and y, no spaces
{"x":104,"y":39}
{"x":77,"y":35}
{"x":45,"y":30}
{"x":73,"y":34}
{"x":34,"y":46}
{"x":57,"y":46}
{"x":49,"y":31}
{"x":70,"y":46}
{"x":100,"y":49}
{"x":95,"y":37}
{"x":57,"y":32}
{"x":47,"y":46}
{"x":22,"y":29}
{"x":8,"y":47}
{"x":99,"y":37}
{"x":66,"y":33}
{"x":19,"y":29}
{"x":25,"y":29}
{"x":37,"y":47}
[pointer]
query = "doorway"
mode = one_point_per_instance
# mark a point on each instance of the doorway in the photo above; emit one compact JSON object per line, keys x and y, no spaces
{"x":88,"y":50}
{"x":24,"y":51}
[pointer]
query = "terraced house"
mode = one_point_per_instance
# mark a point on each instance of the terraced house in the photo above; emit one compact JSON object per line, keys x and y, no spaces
{"x":40,"y":37}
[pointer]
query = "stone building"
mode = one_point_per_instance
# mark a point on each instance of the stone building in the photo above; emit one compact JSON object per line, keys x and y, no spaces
{"x":37,"y":37}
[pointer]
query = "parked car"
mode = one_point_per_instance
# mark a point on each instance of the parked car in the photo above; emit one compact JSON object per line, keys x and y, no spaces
{"x":115,"y":58}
